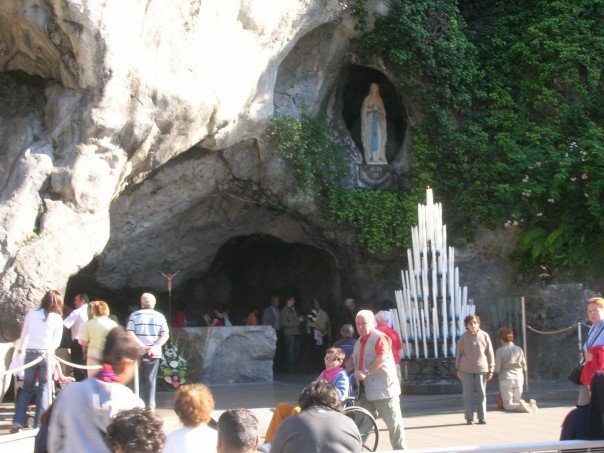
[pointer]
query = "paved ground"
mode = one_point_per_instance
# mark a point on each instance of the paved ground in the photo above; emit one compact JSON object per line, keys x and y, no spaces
{"x":430,"y":420}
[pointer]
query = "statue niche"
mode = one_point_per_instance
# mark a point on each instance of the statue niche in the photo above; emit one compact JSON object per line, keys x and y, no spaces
{"x":373,"y":127}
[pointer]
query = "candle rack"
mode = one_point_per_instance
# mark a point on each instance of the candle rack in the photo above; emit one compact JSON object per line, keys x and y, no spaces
{"x":431,"y":305}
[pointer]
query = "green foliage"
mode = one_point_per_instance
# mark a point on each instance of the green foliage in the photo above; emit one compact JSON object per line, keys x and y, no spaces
{"x":512,"y":97}
{"x":310,"y":150}
{"x":382,"y":219}
{"x":513,"y":101}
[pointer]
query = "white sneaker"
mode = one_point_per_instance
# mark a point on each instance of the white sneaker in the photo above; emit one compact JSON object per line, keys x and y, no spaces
{"x":533,"y":405}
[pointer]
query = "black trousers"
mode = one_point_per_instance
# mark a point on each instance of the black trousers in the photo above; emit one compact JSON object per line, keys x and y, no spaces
{"x":77,"y":356}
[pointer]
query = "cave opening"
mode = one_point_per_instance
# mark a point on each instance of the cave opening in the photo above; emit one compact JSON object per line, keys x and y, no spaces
{"x":248,"y":270}
{"x":245,"y":272}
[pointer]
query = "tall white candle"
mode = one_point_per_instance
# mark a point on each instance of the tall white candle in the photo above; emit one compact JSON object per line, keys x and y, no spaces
{"x":435,"y":333}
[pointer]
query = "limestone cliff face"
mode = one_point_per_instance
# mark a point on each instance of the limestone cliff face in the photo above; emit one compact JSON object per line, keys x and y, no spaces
{"x":141,"y":149}
{"x":130,"y":86}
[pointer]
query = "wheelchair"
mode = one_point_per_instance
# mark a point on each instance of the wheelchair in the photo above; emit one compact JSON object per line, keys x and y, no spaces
{"x":370,"y":434}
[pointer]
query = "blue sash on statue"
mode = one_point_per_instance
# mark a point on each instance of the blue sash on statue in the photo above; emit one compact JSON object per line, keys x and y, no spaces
{"x":374,"y":132}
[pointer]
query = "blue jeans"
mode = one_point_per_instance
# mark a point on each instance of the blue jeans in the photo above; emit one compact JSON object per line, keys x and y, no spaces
{"x":29,"y":387}
{"x":292,"y":350}
{"x":147,"y":378}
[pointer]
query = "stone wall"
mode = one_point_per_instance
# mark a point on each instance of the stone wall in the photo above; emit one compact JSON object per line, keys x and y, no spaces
{"x":227,"y":355}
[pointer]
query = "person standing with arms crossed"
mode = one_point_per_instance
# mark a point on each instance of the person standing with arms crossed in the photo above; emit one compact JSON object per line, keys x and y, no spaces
{"x":149,"y":330}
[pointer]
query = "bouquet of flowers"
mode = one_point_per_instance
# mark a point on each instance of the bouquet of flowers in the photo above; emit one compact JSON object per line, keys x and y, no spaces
{"x":174,"y":367}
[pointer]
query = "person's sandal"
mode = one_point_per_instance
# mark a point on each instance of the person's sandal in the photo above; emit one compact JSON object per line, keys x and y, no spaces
{"x":14,"y":429}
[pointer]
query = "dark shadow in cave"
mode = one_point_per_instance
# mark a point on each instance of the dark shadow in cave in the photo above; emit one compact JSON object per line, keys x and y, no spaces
{"x":248,"y":270}
{"x":245,"y":273}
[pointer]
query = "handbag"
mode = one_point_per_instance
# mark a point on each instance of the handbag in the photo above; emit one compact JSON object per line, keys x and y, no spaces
{"x":575,"y":374}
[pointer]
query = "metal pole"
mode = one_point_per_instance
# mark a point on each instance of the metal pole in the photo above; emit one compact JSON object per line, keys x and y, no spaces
{"x":136,"y":385}
{"x":524,"y":342}
{"x":49,"y":370}
{"x":580,"y":340}
{"x":170,"y":307}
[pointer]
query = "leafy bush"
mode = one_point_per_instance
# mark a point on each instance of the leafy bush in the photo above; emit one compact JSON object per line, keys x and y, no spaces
{"x":512,"y":93}
{"x":379,"y":218}
{"x":512,"y":97}
{"x":310,"y":150}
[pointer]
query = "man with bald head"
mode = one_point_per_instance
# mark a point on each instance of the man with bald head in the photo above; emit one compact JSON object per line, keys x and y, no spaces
{"x":149,"y":329}
{"x":375,"y":371}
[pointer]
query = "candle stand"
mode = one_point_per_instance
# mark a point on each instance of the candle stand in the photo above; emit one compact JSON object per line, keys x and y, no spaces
{"x":429,"y":376}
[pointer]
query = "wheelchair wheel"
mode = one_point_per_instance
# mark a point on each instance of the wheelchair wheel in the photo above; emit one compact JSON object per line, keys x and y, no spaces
{"x":368,"y":428}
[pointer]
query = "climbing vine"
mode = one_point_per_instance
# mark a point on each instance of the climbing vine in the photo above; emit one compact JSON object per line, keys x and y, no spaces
{"x":512,"y":93}
{"x":512,"y":97}
{"x":380,"y":219}
{"x":307,"y":145}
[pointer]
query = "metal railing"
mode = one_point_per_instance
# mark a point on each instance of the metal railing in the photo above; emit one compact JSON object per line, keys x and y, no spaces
{"x":566,"y":446}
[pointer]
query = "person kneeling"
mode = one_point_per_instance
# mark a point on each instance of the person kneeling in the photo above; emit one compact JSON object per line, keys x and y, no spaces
{"x":510,"y":366}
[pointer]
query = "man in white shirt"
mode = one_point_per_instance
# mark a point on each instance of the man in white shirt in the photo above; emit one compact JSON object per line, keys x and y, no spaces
{"x":75,"y":322}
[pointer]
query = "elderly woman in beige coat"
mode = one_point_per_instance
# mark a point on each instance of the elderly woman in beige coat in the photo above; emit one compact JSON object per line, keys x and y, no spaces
{"x":475,"y":363}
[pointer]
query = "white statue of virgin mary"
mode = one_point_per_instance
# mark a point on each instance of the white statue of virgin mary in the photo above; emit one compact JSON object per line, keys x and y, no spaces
{"x":373,"y":127}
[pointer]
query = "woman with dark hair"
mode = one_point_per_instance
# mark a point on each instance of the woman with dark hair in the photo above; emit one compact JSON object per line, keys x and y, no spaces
{"x":135,"y":430}
{"x":290,"y":323}
{"x":40,"y":336}
{"x":317,"y":328}
{"x":320,"y":426}
{"x":586,"y":421}
{"x":84,"y":409}
{"x":475,"y":363}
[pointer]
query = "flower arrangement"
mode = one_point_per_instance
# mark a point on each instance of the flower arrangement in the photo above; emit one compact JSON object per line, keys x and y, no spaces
{"x":174,"y":367}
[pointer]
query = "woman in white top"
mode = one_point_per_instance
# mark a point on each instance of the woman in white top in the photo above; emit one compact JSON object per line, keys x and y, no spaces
{"x":194,"y":405}
{"x":41,"y":334}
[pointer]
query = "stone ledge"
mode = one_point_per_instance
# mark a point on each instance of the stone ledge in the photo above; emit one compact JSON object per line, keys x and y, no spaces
{"x":228,"y":355}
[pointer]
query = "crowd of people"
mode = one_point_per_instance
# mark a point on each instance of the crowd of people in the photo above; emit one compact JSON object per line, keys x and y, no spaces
{"x":102,"y":413}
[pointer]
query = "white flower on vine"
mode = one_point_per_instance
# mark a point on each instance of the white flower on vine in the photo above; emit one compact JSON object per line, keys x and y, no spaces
{"x":174,"y":364}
